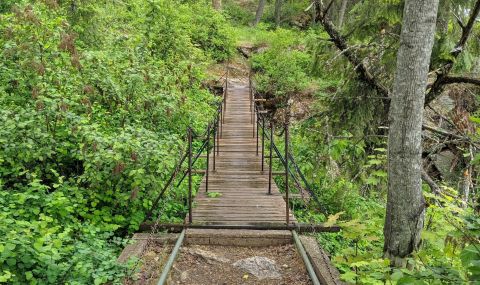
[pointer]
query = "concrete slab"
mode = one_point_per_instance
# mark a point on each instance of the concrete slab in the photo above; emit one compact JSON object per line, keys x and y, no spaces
{"x":139,"y":242}
{"x":248,"y":238}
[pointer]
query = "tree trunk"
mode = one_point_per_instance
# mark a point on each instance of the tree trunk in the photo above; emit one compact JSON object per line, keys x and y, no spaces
{"x":341,"y":14}
{"x":467,"y":178}
{"x":217,"y":4}
{"x":405,"y":202}
{"x":259,"y":14}
{"x":278,"y":11}
{"x":444,"y":13}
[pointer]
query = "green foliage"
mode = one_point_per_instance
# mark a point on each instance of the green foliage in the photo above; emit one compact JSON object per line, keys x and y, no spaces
{"x":238,"y":15}
{"x":94,"y":104}
{"x":282,"y":67}
{"x":339,"y":144}
{"x":214,"y":194}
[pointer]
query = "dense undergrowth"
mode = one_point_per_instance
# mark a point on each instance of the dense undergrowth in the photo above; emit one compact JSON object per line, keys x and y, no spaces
{"x":337,"y":142}
{"x":95,"y":99}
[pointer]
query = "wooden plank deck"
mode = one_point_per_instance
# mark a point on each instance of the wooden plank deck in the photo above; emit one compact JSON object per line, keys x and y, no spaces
{"x":238,"y":177}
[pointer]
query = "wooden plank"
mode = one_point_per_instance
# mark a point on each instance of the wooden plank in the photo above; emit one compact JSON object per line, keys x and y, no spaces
{"x":244,"y":199}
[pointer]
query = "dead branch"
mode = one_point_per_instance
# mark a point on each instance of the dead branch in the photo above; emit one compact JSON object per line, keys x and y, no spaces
{"x":461,"y":79}
{"x":442,"y":132}
{"x":341,"y":43}
{"x":433,"y":185}
{"x":442,"y":74}
{"x":437,"y":87}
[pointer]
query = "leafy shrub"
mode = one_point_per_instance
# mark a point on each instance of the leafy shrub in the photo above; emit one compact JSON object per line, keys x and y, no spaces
{"x":237,"y":14}
{"x":282,"y":67}
{"x":94,"y":104}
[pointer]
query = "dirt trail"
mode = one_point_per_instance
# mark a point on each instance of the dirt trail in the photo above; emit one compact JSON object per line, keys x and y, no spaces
{"x":214,"y":265}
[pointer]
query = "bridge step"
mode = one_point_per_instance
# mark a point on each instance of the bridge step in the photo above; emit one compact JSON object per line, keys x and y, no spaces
{"x":250,"y":238}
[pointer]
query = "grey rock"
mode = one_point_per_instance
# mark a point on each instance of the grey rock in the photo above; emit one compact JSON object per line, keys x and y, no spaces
{"x":208,"y":256}
{"x":259,"y":266}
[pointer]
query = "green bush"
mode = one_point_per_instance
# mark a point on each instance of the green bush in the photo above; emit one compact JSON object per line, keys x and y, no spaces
{"x":281,"y":70}
{"x":94,"y":104}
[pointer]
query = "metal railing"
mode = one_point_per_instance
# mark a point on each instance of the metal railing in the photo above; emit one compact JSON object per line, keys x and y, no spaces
{"x":214,"y":130}
{"x":259,"y":120}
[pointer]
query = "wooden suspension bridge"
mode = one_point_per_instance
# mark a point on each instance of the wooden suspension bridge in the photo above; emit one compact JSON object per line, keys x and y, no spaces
{"x":237,"y":191}
{"x":247,"y":194}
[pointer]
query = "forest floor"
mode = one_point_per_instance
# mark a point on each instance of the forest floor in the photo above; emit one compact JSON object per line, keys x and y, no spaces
{"x":152,"y":262}
{"x":208,"y":265}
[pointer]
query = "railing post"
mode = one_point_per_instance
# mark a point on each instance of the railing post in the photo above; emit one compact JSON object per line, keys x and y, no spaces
{"x":253,"y":114}
{"x":263,"y":142}
{"x":222,"y":120}
{"x":215,"y":122}
{"x":270,"y":159}
{"x":251,"y":93}
{"x":225,"y":93}
{"x":286,"y":174}
{"x":189,"y":175}
{"x":219,"y":130}
{"x":258,"y":125}
{"x":208,"y":158}
{"x":254,"y":122}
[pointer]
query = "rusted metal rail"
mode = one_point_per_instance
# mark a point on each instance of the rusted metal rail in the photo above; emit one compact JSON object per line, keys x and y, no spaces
{"x":215,"y":128}
{"x":287,"y":160}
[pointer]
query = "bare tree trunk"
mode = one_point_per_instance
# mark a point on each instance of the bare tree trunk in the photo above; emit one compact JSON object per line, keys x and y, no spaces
{"x":217,"y":4}
{"x":444,"y":13}
{"x":314,"y":14}
{"x":341,"y":14}
{"x":278,"y":11}
{"x":259,"y":14}
{"x":405,"y":202}
{"x":467,"y":178}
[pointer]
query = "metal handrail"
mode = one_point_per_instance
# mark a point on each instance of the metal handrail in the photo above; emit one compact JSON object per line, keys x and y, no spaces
{"x":306,"y":186}
{"x":217,"y":123}
{"x":300,"y":174}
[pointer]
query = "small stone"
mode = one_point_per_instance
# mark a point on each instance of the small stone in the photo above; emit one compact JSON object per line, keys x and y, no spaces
{"x":184,"y":276}
{"x":285,"y":266}
{"x":208,"y":256}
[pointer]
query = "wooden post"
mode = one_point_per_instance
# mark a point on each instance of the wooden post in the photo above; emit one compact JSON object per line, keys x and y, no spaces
{"x":208,"y":158}
{"x":189,"y":175}
{"x":270,"y":159}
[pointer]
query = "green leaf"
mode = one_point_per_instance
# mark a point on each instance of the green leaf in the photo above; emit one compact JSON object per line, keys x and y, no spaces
{"x":28,"y":275}
{"x":214,"y":194}
{"x":469,"y":254}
